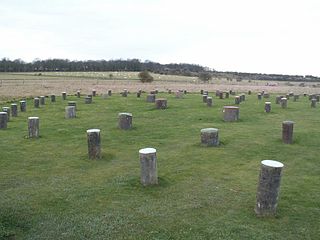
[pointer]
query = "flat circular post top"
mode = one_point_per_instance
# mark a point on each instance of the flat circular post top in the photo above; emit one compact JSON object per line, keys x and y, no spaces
{"x":3,"y":113}
{"x":22,"y":101}
{"x":272,"y":163}
{"x":5,"y":108}
{"x":72,"y":102}
{"x":230,"y":107}
{"x":209,"y":97}
{"x":267,"y":102}
{"x":161,"y":99}
{"x":30,"y":118}
{"x":36,"y":98}
{"x":63,"y":92}
{"x":41,"y":96}
{"x":288,"y":122}
{"x":283,"y":98}
{"x":13,"y":104}
{"x":209,"y":130}
{"x":147,"y":150}
{"x":128,"y":114}
{"x":94,"y":130}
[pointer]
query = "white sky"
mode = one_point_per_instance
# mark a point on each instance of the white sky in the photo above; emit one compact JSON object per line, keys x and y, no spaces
{"x":266,"y":36}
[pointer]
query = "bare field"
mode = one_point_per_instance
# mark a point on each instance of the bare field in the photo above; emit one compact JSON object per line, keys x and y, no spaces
{"x":33,"y":84}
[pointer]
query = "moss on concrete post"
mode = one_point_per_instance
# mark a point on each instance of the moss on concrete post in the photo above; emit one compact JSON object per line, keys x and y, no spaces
{"x":125,"y":121}
{"x":33,"y":127}
{"x":259,"y":96}
{"x":231,"y":113}
{"x":94,"y":92}
{"x":94,"y":143}
{"x":210,"y":137}
{"x":287,"y":132}
{"x":148,"y":166}
{"x":161,"y":103}
{"x":3,"y":120}
{"x":268,"y":188}
{"x":278,"y":99}
{"x":109,"y":92}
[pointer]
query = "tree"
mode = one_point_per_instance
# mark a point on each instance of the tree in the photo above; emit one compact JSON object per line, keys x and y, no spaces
{"x":145,"y":76}
{"x":205,"y":76}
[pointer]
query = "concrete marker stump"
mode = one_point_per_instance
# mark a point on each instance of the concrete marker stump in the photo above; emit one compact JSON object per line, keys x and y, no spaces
{"x":42,"y":100}
{"x":237,"y":100}
{"x":204,"y":98}
{"x":23,"y":106}
{"x":209,"y":137}
{"x":295,"y":98}
{"x":124,"y":93}
{"x":268,"y":188}
{"x":161,"y":103}
{"x":259,"y":96}
{"x":33,"y":127}
{"x":78,"y":94}
{"x":278,"y":99}
{"x":36,"y":102}
{"x":231,"y":113}
{"x":53,"y":97}
{"x":287,"y":132}
{"x":267,"y":107}
{"x":14,"y":110}
{"x":94,"y":143}
{"x":64,"y":95}
{"x":125,"y":121}
{"x":94,"y":92}
{"x":179,"y":94}
{"x":148,"y":166}
{"x":72,"y":103}
{"x":227,"y":94}
{"x":151,"y":98}
{"x":109,"y":92}
{"x":209,"y":101}
{"x":88,"y":100}
{"x":3,"y":120}
{"x":8,"y":111}
{"x":284,"y":102}
{"x":70,"y":112}
{"x":313,"y":102}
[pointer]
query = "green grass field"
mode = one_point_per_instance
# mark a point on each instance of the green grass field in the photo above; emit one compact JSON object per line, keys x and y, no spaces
{"x":50,"y":190}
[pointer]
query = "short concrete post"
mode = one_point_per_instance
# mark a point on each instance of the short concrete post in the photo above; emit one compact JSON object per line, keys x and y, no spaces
{"x":259,"y":96}
{"x":138,"y":94}
{"x":42,"y":100}
{"x":53,"y":97}
{"x":278,"y":99}
{"x":88,"y":100}
{"x":206,"y":93}
{"x":217,"y":93}
{"x":70,"y":112}
{"x":23,"y":106}
{"x":227,"y":94}
{"x":209,"y":101}
{"x":249,"y":92}
{"x":204,"y":98}
{"x":78,"y":94}
{"x":36,"y":102}
{"x":72,"y":103}
{"x":209,"y":137}
{"x":8,"y":111}
{"x":318,"y":97}
{"x":94,"y":143}
{"x":109,"y":92}
{"x":231,"y":113}
{"x":148,"y":165}
{"x":201,"y":91}
{"x":125,"y":121}
{"x":64,"y":95}
{"x":242,"y":97}
{"x":237,"y":100}
{"x":220,"y":95}
{"x":124,"y":93}
{"x":14,"y":110}
{"x":295,"y":98}
{"x":266,"y":95}
{"x":3,"y":120}
{"x":267,"y":107}
{"x":151,"y":98}
{"x":287,"y":132}
{"x":94,"y":92}
{"x":313,"y":102}
{"x":169,"y":91}
{"x":33,"y":127}
{"x":268,"y":187}
{"x":161,"y":103}
{"x":179,"y":94}
{"x":284,"y":102}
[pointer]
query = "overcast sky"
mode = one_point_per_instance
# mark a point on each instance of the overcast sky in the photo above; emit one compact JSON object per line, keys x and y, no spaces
{"x":266,"y":36}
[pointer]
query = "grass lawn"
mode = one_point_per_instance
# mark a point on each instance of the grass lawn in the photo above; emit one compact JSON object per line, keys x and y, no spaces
{"x":50,"y":190}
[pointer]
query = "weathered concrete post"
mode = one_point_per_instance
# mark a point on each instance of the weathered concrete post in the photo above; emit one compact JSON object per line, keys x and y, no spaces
{"x":148,"y":165}
{"x":8,"y":111}
{"x":42,"y":100}
{"x":268,"y":187}
{"x":227,"y":94}
{"x":266,"y":95}
{"x":138,"y":94}
{"x":295,"y":98}
{"x":33,"y":127}
{"x":36,"y":102}
{"x":204,"y":98}
{"x":313,"y":102}
{"x":201,"y":91}
{"x":53,"y":97}
{"x":94,"y":143}
{"x":109,"y":92}
{"x":151,"y":98}
{"x":267,"y":107}
{"x":284,"y":102}
{"x":206,"y":93}
{"x":237,"y":100}
{"x":14,"y":110}
{"x":259,"y":96}
{"x":23,"y":106}
{"x":78,"y":94}
{"x":287,"y":132}
{"x":242,"y":97}
{"x":278,"y":99}
{"x":94,"y":92}
{"x":249,"y":92}
{"x":179,"y":94}
{"x":231,"y":113}
{"x":3,"y":120}
{"x":125,"y":121}
{"x":161,"y":103}
{"x":124,"y":93}
{"x":64,"y":95}
{"x":72,"y":103}
{"x":70,"y":112}
{"x":220,"y":95}
{"x":88,"y":100}
{"x":169,"y":91}
{"x":209,"y":137}
{"x":209,"y":101}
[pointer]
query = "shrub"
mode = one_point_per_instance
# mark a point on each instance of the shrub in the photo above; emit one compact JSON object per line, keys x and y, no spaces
{"x":205,"y":76}
{"x":145,"y":76}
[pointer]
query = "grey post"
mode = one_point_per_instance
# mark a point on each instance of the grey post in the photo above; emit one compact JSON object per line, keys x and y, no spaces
{"x":209,"y":101}
{"x":36,"y":102}
{"x":148,"y":165}
{"x":3,"y":120}
{"x":210,"y":137}
{"x":42,"y":100}
{"x":33,"y":127}
{"x":94,"y":143}
{"x":161,"y":103}
{"x":151,"y":98}
{"x":287,"y":132}
{"x":14,"y":110}
{"x":231,"y":113}
{"x":267,"y":107}
{"x":284,"y":103}
{"x":53,"y":97}
{"x":23,"y":106}
{"x":64,"y":95}
{"x":70,"y":112}
{"x":125,"y":121}
{"x":8,"y":111}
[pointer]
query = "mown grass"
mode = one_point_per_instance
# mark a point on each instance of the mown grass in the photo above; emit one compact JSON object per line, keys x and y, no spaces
{"x":50,"y":190}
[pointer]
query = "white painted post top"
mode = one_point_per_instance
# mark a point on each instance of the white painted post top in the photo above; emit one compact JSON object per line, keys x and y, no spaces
{"x":93,"y":130}
{"x":272,"y":163}
{"x":13,"y":104}
{"x":129,"y":114}
{"x":283,"y":98}
{"x":209,"y":130}
{"x":33,"y":118}
{"x":147,"y":150}
{"x":267,"y":102}
{"x":3,"y":113}
{"x":288,"y":122}
{"x":22,"y":101}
